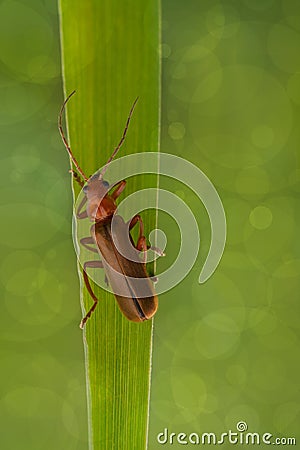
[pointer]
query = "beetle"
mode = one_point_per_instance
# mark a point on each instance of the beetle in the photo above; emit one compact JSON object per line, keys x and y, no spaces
{"x":128,"y":277}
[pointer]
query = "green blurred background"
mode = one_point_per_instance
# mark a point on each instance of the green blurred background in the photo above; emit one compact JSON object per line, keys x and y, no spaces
{"x":224,"y":351}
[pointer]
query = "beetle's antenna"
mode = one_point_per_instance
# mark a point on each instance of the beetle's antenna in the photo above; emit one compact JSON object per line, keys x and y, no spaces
{"x":64,"y":137}
{"x":121,"y":140}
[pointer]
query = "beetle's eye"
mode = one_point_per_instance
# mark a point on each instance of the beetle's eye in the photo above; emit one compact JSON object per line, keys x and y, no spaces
{"x":105,"y":184}
{"x":85,"y":188}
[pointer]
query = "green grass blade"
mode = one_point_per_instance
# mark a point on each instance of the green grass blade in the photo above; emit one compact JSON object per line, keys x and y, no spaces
{"x":110,"y":56}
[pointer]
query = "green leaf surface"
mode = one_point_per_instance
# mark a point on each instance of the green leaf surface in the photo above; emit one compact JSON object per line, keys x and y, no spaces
{"x":110,"y":55}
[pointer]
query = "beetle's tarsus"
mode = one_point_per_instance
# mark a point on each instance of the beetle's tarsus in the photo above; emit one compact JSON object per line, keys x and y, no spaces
{"x":88,"y":315}
{"x":156,"y":250}
{"x":89,"y":288}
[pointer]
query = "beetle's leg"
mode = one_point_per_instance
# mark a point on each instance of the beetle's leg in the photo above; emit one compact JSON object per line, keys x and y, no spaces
{"x":141,"y":237}
{"x":79,"y":213}
{"x":89,"y":288}
{"x":94,"y":264}
{"x":156,"y":250}
{"x":99,"y":264}
{"x":86,"y":242}
{"x":141,"y":242}
{"x":142,"y":246}
{"x":119,"y":188}
{"x":134,"y":221}
{"x":77,"y":177}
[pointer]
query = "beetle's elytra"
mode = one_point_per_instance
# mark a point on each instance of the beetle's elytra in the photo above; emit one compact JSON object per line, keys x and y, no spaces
{"x":139,"y":301}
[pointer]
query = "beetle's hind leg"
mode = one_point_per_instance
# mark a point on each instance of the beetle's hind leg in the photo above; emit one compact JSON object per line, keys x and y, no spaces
{"x":94,"y":264}
{"x":141,"y":242}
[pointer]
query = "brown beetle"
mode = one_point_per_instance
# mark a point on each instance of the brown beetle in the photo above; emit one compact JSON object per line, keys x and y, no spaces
{"x":126,"y":274}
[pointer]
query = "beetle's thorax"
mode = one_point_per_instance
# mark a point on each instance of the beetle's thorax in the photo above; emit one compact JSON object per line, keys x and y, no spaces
{"x":100,"y":209}
{"x":100,"y":205}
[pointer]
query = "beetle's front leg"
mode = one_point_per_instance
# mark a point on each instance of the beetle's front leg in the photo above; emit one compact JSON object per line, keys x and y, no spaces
{"x":79,"y":213}
{"x":119,"y":188}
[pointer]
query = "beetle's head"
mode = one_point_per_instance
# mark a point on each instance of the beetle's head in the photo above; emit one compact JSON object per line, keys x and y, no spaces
{"x":100,"y":205}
